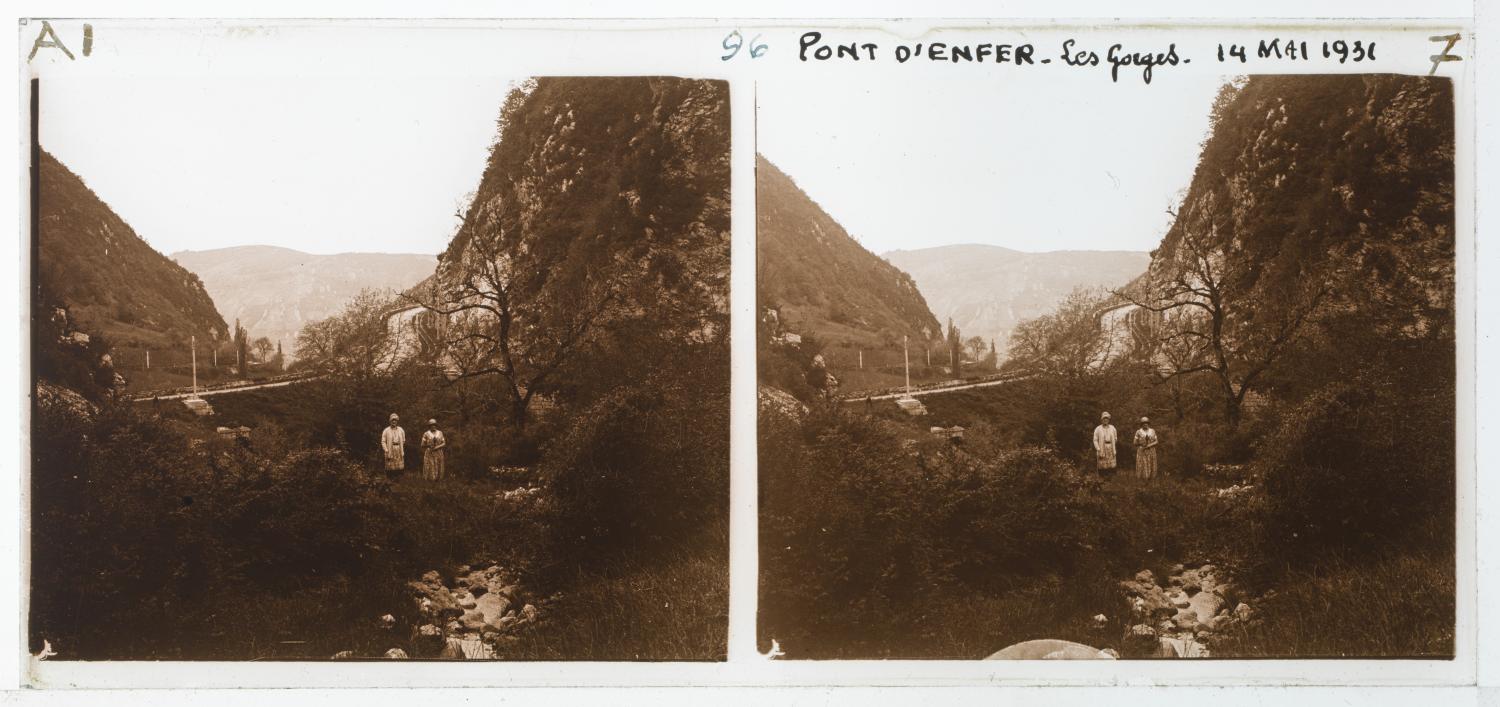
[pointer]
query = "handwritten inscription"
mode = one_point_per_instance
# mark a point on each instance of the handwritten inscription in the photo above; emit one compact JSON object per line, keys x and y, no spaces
{"x":46,"y":38}
{"x":1124,"y":61}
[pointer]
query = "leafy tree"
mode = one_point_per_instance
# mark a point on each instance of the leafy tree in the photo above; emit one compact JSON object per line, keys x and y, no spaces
{"x":263,"y":348}
{"x":1068,"y":342}
{"x":241,"y":349}
{"x":955,"y":348}
{"x":975,"y":346}
{"x":361,"y":341}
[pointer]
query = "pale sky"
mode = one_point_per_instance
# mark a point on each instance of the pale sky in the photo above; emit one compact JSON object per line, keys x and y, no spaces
{"x":1027,"y":160}
{"x":322,"y":165}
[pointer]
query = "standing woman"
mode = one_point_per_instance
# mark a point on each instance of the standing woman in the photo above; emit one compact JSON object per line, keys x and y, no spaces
{"x":1145,"y":450}
{"x":393,"y":444}
{"x":433,"y":443}
{"x":1105,"y":438}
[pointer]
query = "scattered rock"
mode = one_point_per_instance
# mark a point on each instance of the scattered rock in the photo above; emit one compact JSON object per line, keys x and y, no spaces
{"x":472,"y":617}
{"x":1100,"y":621}
{"x":1195,"y":609}
{"x":1243,"y":612}
{"x":397,"y":654}
{"x":343,"y":655}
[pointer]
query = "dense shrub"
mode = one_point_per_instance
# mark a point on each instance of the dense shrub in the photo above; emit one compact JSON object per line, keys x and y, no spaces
{"x":1358,"y":466}
{"x":862,"y":526}
{"x":646,"y":466}
{"x":144,"y":536}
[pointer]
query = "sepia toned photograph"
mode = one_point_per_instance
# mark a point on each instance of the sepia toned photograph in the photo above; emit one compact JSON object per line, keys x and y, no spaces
{"x":378,"y":368}
{"x":1055,"y":370}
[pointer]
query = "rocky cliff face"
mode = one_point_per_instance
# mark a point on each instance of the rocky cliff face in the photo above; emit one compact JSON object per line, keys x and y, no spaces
{"x":273,"y":291}
{"x":611,"y":192}
{"x":988,"y":290}
{"x":1337,"y":181}
{"x":112,"y":281}
{"x":824,"y":282}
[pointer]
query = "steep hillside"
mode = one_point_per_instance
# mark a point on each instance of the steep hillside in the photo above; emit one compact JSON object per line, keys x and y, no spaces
{"x":606,"y":204}
{"x":112,"y":281}
{"x":987,"y":290}
{"x":274,"y":291}
{"x":822,"y":280}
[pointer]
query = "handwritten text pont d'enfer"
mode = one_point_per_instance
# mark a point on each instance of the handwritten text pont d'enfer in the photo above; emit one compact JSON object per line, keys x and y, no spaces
{"x":813,"y":47}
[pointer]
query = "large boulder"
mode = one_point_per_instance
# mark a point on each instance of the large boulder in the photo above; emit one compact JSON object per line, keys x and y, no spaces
{"x":1051,"y":649}
{"x":492,"y":606}
{"x":1205,"y":606}
{"x":433,"y":598}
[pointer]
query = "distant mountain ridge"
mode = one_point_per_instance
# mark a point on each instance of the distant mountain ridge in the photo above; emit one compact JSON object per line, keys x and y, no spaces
{"x":988,"y":289}
{"x":822,"y":280}
{"x":274,"y":291}
{"x":110,"y":279}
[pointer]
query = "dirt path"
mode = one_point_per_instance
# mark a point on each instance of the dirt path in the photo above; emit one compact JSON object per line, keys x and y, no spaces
{"x":917,"y":393}
{"x":205,"y":392}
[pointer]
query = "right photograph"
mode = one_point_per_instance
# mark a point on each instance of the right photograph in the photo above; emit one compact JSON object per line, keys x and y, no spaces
{"x":1158,"y":373}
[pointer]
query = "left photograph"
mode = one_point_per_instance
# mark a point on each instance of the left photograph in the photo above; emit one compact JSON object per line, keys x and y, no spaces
{"x":350,"y":369}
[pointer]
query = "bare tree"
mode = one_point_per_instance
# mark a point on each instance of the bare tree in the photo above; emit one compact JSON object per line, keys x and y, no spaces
{"x":495,"y":325}
{"x":1211,"y":319}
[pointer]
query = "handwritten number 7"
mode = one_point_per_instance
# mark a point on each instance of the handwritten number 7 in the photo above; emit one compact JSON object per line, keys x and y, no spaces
{"x":734,"y":41}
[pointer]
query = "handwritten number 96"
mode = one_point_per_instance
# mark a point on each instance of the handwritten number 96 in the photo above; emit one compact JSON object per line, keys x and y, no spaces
{"x":735,"y":41}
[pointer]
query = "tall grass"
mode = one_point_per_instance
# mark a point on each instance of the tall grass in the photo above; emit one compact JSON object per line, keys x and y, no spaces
{"x":672,"y":608}
{"x":1401,"y":605}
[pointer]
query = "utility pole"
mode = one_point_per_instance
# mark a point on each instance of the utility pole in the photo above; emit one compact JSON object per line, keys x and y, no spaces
{"x":861,"y":358}
{"x":195,"y":365}
{"x":148,"y":359}
{"x":906,"y":356}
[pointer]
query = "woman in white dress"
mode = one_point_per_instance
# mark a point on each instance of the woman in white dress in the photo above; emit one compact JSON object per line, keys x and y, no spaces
{"x":393,"y":445}
{"x":1105,"y":438}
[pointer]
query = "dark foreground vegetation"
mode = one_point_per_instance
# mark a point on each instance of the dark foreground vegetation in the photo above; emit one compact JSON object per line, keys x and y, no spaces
{"x":1293,"y":345}
{"x":157,"y":537}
